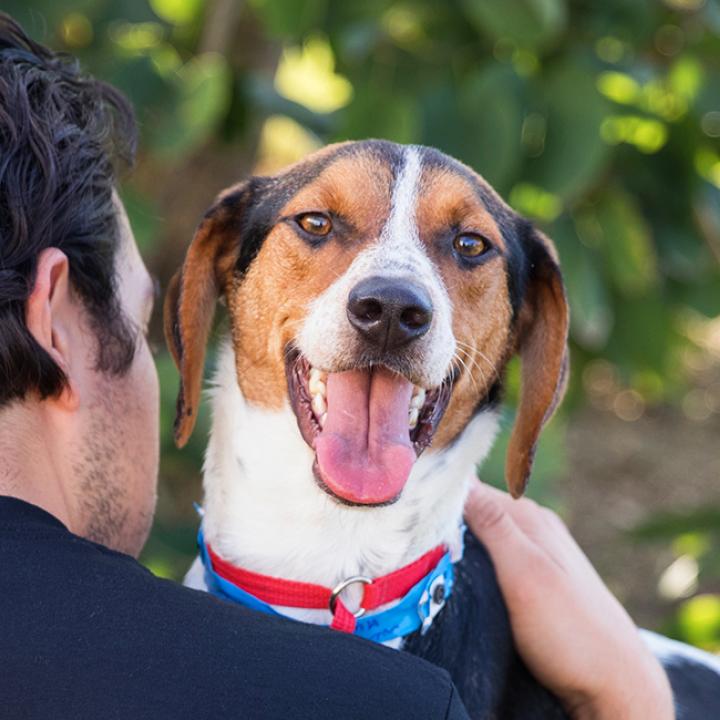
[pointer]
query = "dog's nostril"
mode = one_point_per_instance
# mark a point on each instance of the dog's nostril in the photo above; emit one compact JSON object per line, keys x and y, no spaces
{"x":369,"y":309}
{"x":415,"y":317}
{"x":389,"y":312}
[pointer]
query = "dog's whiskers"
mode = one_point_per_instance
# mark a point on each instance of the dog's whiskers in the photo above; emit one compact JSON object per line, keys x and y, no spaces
{"x":481,"y":355}
{"x":473,"y":363}
{"x":464,"y":365}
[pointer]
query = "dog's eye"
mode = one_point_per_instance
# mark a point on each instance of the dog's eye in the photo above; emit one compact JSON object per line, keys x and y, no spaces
{"x":470,"y":245}
{"x":314,"y":223}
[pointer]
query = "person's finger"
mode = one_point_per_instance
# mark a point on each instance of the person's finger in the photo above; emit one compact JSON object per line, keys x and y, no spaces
{"x":487,"y":516}
{"x":542,"y":526}
{"x":526,"y":513}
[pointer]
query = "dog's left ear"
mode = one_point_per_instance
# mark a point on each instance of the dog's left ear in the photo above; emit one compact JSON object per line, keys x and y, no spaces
{"x":542,"y":332}
{"x":191,"y":297}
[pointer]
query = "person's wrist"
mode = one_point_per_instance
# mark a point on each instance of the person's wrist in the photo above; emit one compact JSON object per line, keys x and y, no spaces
{"x":635,"y":695}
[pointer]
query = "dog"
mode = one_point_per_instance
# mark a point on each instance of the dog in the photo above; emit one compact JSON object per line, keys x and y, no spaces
{"x":376,"y":294}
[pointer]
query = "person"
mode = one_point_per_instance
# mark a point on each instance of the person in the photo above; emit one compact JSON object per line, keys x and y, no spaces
{"x":85,"y":631}
{"x":594,"y":659}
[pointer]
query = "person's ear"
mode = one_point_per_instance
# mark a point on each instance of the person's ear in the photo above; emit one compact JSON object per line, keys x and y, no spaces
{"x":192,"y":295}
{"x":542,"y":345}
{"x":51,"y":314}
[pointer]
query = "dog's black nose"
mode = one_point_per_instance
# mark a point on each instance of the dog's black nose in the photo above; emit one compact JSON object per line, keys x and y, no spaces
{"x":389,"y":312}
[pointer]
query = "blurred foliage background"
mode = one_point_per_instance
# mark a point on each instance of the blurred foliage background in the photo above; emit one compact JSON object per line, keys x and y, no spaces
{"x":600,"y":121}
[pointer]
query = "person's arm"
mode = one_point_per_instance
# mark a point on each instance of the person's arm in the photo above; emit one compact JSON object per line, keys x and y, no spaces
{"x":572,"y":633}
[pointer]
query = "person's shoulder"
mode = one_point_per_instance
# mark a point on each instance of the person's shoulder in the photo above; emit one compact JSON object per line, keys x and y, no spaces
{"x":99,"y":617}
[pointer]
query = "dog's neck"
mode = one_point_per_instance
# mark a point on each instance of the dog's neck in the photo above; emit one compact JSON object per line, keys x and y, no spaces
{"x":264,"y":510}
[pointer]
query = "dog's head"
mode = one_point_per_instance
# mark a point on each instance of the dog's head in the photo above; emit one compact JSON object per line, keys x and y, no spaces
{"x":380,"y":290}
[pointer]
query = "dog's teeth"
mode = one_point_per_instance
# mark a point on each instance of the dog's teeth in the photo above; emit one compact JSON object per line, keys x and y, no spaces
{"x":418,"y":398}
{"x":322,"y":419}
{"x":413,"y":417}
{"x":319,"y":406}
{"x":316,"y":374}
{"x":317,"y":386}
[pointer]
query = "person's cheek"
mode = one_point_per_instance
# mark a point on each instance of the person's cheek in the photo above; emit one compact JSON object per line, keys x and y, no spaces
{"x":145,"y":426}
{"x":151,"y":402}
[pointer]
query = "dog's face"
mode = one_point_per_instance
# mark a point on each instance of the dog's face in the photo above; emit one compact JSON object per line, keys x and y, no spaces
{"x":380,"y":290}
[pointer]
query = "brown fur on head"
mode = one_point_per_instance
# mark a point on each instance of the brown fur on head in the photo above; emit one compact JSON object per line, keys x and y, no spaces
{"x":286,"y":290}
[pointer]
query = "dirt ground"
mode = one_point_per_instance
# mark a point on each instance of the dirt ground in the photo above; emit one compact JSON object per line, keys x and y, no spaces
{"x":621,"y":473}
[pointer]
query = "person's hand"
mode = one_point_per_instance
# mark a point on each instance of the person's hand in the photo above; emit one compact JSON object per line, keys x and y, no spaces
{"x":571,"y":632}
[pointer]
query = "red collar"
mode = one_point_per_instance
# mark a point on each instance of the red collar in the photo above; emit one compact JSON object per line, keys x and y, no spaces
{"x":292,"y":593}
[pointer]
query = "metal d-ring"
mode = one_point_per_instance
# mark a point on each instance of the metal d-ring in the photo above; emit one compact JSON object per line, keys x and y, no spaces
{"x":342,"y":586}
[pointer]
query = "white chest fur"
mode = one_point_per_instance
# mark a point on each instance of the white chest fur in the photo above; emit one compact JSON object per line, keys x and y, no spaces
{"x":265,"y":512}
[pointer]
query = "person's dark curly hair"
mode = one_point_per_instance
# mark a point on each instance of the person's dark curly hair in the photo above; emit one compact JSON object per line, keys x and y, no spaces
{"x":61,"y":132}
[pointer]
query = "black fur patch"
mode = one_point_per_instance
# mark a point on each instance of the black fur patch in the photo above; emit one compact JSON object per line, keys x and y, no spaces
{"x":471,"y":638}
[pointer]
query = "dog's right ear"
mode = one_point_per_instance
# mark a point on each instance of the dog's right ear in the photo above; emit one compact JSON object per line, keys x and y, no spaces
{"x":192,"y":294}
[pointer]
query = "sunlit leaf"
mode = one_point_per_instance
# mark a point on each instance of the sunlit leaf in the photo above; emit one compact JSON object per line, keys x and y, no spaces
{"x":307,"y":76}
{"x":646,"y":134}
{"x":699,"y":621}
{"x":694,"y":544}
{"x":534,"y":202}
{"x":282,"y":142}
{"x":177,"y":12}
{"x":619,"y":87}
{"x":76,"y":30}
{"x":135,"y":38}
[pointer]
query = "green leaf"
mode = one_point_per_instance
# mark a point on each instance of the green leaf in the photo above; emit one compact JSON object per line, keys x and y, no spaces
{"x":682,"y":255}
{"x":698,"y":621}
{"x":536,"y":24}
{"x":701,"y":295}
{"x":177,"y":12}
{"x":591,"y":315}
{"x":290,"y":18}
{"x":626,"y":243}
{"x":667,"y":525}
{"x":203,"y":95}
{"x":644,"y":336}
{"x":491,"y":116}
{"x":138,"y":78}
{"x":574,"y":152}
{"x":398,"y":121}
{"x":440,"y":119}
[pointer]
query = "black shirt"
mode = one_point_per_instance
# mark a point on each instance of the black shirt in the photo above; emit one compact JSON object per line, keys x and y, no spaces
{"x":86,"y":632}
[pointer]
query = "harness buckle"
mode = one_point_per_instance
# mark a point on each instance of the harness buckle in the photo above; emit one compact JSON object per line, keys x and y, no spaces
{"x":432,"y":602}
{"x":344,"y":585}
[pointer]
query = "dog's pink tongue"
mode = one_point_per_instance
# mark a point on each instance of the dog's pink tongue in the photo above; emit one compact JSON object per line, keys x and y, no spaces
{"x":364,"y":453}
